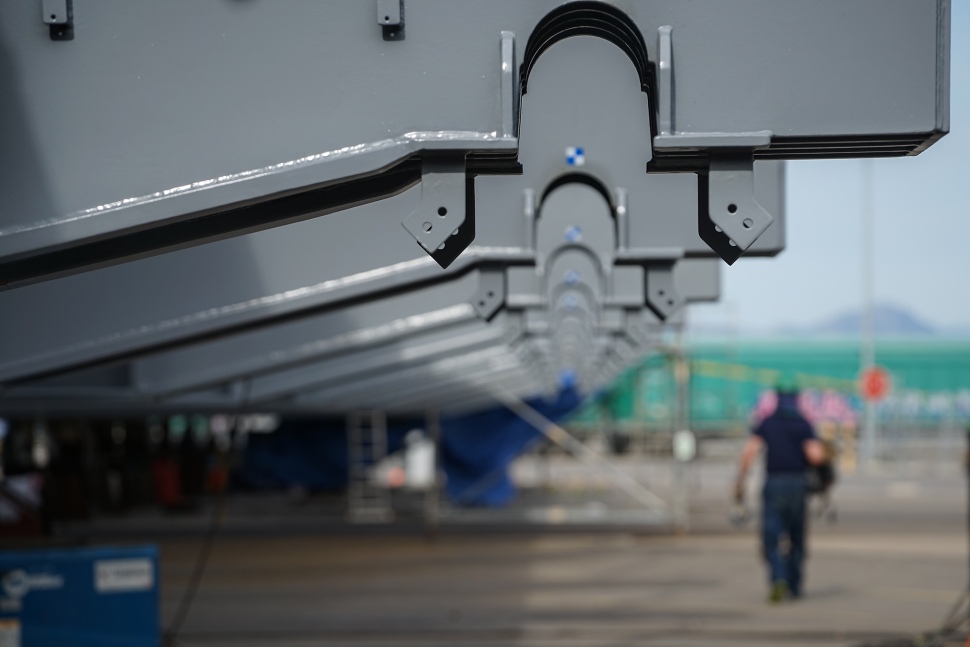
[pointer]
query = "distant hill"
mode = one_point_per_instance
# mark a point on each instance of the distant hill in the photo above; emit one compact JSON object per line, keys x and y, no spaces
{"x":888,"y":321}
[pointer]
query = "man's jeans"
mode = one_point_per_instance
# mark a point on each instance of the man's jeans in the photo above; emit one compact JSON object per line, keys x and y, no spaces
{"x":783,"y":514}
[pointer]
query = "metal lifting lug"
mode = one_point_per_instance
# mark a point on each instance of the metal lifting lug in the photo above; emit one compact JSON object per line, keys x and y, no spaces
{"x":390,"y":16}
{"x":730,"y":218}
{"x":59,"y":16}
{"x":662,"y":295}
{"x":443,"y":223}
{"x":489,"y":298}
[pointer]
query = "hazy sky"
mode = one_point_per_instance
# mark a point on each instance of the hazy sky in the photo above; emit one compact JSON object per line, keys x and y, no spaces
{"x":922,"y":231}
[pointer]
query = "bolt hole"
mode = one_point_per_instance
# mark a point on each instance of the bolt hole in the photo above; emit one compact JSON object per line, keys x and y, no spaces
{"x":670,"y":302}
{"x":732,"y":208}
{"x":490,"y":294}
{"x":53,"y":16}
{"x":426,"y":227}
{"x":442,"y":212}
{"x":481,"y":304}
{"x":660,"y":292}
{"x":748,"y":223}
{"x":387,"y":19}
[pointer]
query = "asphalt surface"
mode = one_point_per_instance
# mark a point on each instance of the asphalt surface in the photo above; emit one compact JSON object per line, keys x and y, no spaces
{"x":888,"y":568}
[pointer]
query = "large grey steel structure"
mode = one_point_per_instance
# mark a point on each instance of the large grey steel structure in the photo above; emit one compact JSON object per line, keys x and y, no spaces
{"x":163,"y":125}
{"x":571,"y":172}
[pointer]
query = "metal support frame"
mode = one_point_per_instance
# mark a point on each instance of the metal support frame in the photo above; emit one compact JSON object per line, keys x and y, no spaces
{"x":591,"y":285}
{"x":367,"y":502}
{"x":65,"y":214}
{"x":158,"y":312}
{"x":432,"y":496}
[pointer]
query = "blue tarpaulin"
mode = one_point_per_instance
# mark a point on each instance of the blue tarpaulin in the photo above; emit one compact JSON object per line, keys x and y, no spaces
{"x":476,"y":451}
{"x":302,"y":453}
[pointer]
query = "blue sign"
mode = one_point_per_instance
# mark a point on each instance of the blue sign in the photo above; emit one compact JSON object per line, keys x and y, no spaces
{"x":85,"y":597}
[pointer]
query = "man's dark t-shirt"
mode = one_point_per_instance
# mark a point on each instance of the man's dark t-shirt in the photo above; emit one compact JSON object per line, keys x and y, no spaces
{"x":784,"y":433}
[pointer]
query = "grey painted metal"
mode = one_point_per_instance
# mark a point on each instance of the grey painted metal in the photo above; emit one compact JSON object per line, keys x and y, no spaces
{"x":390,"y":12}
{"x":443,"y":390}
{"x":339,"y":370}
{"x":40,"y":351}
{"x":283,"y":383}
{"x":468,"y":397}
{"x":656,"y":215}
{"x":150,"y":120}
{"x":345,"y":368}
{"x":55,"y":12}
{"x":358,"y":344}
{"x":419,"y":387}
{"x":602,"y":240}
{"x":378,"y":323}
{"x":412,"y":380}
{"x":340,"y":367}
{"x":216,"y":289}
{"x":698,"y":280}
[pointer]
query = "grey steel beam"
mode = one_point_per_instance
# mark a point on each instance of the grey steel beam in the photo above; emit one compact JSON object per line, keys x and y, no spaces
{"x":350,"y":351}
{"x":195,"y":294}
{"x":379,"y":361}
{"x":168,"y":144}
{"x":60,"y":342}
{"x":455,"y":398}
{"x":414,"y":379}
{"x":411,"y":381}
{"x":472,"y":386}
{"x":548,"y":249}
{"x":389,"y":323}
{"x":273,"y":349}
{"x":280,"y":383}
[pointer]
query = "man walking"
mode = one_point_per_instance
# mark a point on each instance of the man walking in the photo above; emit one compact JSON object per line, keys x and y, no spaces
{"x":791,"y":447}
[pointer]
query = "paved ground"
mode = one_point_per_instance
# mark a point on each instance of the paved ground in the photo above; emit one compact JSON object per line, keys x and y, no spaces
{"x":889,"y":568}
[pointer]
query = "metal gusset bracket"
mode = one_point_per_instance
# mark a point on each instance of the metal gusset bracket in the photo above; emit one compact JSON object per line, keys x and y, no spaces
{"x":736,"y":220}
{"x":390,"y":16}
{"x":662,"y":296}
{"x":447,"y":206}
{"x":59,"y":16}
{"x":489,"y":298}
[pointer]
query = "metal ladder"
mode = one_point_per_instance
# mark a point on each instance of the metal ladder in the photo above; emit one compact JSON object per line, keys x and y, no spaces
{"x":367,"y":502}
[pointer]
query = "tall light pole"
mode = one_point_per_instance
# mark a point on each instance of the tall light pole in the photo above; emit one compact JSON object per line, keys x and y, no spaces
{"x":867,"y":351}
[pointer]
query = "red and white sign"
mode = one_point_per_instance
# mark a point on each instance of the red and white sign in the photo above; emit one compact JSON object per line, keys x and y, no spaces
{"x":874,"y":384}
